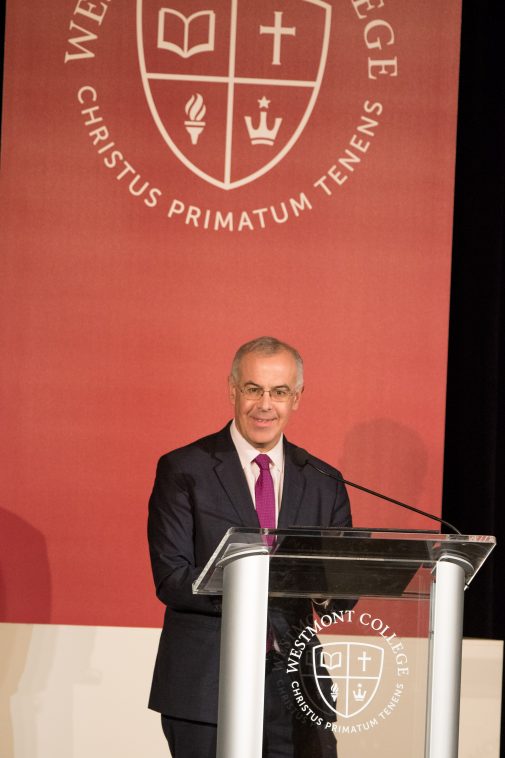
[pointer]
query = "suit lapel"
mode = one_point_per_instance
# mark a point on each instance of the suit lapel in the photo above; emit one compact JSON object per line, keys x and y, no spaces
{"x":292,"y":490}
{"x":229,"y":472}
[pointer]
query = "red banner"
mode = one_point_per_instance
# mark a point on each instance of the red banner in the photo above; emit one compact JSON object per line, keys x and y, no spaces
{"x":177,"y":180}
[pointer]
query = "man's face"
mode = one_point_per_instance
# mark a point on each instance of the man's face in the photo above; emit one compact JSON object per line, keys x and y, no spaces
{"x":261,"y":422}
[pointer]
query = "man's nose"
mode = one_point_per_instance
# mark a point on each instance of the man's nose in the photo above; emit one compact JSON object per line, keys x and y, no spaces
{"x":266,"y":401}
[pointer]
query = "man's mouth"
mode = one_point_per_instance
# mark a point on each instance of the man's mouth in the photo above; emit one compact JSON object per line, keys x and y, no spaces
{"x":262,"y":421}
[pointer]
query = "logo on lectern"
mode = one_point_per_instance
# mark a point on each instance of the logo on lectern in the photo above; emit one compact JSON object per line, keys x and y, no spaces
{"x":345,"y":685}
{"x":354,"y":671}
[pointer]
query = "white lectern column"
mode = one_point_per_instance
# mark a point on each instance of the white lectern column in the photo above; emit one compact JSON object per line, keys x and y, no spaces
{"x":445,"y":657}
{"x":243,"y":649}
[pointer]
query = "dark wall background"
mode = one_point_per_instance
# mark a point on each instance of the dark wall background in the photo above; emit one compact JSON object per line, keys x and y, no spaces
{"x":474,"y":470}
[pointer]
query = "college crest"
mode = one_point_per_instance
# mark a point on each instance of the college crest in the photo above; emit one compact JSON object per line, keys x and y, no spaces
{"x":232,"y":85}
{"x":348,"y":675}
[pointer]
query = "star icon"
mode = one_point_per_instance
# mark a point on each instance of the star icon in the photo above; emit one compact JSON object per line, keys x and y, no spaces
{"x":264,"y":103}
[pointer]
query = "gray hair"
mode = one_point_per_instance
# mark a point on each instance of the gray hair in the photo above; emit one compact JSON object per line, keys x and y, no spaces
{"x":268,"y":346}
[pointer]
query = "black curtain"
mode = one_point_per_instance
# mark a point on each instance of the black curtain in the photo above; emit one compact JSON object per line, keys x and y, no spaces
{"x":474,"y":467}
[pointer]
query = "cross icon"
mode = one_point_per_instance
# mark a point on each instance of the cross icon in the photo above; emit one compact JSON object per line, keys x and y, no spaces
{"x":278,"y":31}
{"x":364,"y":658}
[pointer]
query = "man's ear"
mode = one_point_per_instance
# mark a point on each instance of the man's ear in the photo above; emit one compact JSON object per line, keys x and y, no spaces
{"x":296,"y":401}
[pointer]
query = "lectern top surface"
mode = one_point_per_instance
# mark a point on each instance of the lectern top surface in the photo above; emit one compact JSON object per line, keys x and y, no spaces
{"x":308,"y":562}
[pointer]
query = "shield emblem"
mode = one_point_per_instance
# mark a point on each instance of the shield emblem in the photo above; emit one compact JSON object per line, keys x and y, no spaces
{"x":231,"y":85}
{"x":351,"y":672}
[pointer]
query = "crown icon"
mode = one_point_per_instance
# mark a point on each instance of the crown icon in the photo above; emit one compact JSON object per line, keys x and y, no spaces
{"x":261,"y":134}
{"x":359,"y":694}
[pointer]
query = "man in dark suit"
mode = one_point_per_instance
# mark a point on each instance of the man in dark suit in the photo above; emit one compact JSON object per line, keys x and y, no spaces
{"x":202,"y":490}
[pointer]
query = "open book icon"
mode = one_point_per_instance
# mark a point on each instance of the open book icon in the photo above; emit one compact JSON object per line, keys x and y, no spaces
{"x":331,"y":660}
{"x":186,"y":35}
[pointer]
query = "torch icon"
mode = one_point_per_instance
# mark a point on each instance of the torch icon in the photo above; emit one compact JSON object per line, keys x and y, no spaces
{"x":195,"y":111}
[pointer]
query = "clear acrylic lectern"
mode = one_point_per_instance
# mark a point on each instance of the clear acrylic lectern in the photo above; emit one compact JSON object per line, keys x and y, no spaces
{"x":366,"y":628}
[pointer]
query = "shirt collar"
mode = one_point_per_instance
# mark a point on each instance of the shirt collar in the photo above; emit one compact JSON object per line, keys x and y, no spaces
{"x":247,"y":453}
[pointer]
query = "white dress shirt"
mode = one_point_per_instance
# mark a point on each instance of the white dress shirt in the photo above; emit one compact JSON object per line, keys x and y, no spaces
{"x":247,"y":453}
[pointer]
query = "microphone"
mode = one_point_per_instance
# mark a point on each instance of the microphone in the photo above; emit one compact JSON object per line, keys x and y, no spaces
{"x":302,"y":459}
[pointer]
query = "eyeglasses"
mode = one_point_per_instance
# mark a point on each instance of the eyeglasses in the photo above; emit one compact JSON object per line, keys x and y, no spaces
{"x":277,"y":394}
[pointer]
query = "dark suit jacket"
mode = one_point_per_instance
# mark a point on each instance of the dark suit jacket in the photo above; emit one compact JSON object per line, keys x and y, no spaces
{"x":200,"y":491}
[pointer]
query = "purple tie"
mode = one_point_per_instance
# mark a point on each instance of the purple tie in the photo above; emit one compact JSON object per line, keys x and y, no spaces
{"x":264,"y":493}
{"x":265,"y":508}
